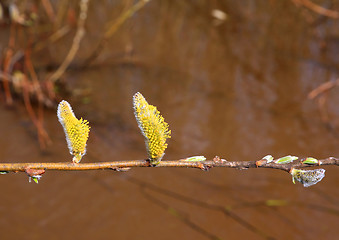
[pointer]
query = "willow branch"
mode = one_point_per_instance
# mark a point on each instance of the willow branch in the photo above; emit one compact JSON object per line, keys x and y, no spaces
{"x":124,"y":165}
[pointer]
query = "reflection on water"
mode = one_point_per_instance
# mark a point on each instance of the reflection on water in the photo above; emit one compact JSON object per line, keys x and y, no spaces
{"x":237,"y":90}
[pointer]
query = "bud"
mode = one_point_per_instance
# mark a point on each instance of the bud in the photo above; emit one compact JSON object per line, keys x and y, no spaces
{"x":310,"y":161}
{"x":286,"y":159}
{"x":194,"y":159}
{"x":269,"y":158}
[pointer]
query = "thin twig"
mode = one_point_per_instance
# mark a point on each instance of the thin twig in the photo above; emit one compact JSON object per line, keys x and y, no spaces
{"x":42,"y":134}
{"x":321,"y":94}
{"x":62,"y":11}
{"x":114,"y":26}
{"x":49,"y":9}
{"x":8,"y":59}
{"x":123,"y":17}
{"x":323,"y":88}
{"x":122,"y":165}
{"x":317,"y":9}
{"x":76,"y":42}
{"x":58,"y":34}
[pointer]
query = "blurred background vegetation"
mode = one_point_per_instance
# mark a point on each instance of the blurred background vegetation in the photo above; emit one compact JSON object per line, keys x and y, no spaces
{"x":238,"y":79}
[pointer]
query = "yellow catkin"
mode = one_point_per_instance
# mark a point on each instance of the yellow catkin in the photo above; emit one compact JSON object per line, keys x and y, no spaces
{"x":76,"y":130}
{"x":153,"y":128}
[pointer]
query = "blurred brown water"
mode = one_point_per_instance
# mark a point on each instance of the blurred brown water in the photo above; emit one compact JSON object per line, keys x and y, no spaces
{"x":236,"y":88}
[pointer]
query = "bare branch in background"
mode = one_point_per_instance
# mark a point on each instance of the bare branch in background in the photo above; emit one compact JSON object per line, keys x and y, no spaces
{"x":76,"y":42}
{"x":321,"y":94}
{"x":58,"y":34}
{"x":317,"y":9}
{"x":49,"y":9}
{"x":325,"y":87}
{"x":7,"y":64}
{"x":113,"y":27}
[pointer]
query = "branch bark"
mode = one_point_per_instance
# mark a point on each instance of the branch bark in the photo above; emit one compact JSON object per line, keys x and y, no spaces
{"x":125,"y":165}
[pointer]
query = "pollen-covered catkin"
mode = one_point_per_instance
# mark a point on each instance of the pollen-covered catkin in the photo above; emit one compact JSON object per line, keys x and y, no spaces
{"x":153,"y":128}
{"x":308,"y":177}
{"x":76,"y":130}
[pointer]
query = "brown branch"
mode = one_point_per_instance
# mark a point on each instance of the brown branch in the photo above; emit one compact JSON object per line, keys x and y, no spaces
{"x":58,"y":34}
{"x":123,"y":165}
{"x":48,"y":9}
{"x":114,"y":27}
{"x":42,"y":134}
{"x":320,"y":93}
{"x":6,"y":65}
{"x":317,"y":9}
{"x":76,"y":42}
{"x":323,"y":88}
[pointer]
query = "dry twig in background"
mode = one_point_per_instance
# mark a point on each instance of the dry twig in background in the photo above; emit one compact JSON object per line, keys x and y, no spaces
{"x":321,"y":93}
{"x":114,"y":26}
{"x":76,"y":42}
{"x":317,"y":9}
